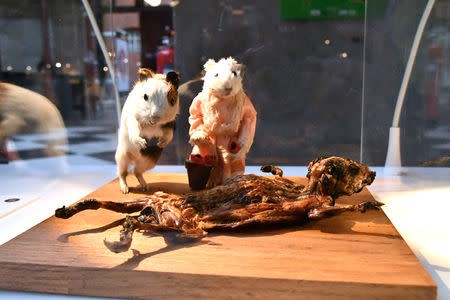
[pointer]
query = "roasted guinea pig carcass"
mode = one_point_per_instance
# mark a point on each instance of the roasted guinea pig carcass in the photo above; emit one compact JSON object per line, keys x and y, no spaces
{"x":242,"y":201}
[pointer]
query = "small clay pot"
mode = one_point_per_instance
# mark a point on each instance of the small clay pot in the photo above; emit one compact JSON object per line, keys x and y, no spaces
{"x":198,"y":174}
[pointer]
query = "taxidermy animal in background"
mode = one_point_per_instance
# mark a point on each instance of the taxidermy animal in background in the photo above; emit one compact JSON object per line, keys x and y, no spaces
{"x":222,"y":120}
{"x":147,"y":124}
{"x":25,"y":111}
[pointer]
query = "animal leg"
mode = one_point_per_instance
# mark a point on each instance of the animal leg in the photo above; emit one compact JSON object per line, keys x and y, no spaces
{"x":140,"y":167}
{"x":226,"y":172}
{"x":328,"y":211}
{"x":123,"y":163}
{"x":221,"y":170}
{"x":237,"y":167}
{"x":141,"y":180}
{"x":149,"y":221}
{"x":222,"y":144}
{"x":122,"y":207}
{"x":131,"y":224}
{"x":126,"y":236}
{"x":123,"y":182}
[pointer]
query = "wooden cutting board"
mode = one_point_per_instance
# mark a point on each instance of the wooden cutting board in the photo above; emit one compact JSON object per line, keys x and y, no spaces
{"x":350,"y":256}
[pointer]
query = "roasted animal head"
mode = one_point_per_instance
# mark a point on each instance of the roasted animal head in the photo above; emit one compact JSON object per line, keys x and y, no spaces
{"x":337,"y":176}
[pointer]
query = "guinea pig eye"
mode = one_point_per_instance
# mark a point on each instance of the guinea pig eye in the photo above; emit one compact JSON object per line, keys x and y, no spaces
{"x":145,"y":97}
{"x":172,"y":101}
{"x":217,"y":74}
{"x":234,"y":73}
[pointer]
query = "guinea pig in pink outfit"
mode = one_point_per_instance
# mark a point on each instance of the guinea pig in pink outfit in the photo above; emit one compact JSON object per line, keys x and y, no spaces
{"x":222,"y":120}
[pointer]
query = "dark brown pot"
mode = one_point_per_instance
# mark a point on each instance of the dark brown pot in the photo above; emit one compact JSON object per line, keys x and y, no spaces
{"x":198,"y":174}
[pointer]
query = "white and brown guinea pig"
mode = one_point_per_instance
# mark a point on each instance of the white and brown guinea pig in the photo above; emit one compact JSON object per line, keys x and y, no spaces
{"x":147,"y":124}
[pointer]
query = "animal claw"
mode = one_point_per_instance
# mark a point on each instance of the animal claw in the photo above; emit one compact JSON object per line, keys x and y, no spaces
{"x":124,"y":189}
{"x":162,"y":142}
{"x":118,"y":247}
{"x":62,"y":213}
{"x":140,"y":142}
{"x":372,"y":204}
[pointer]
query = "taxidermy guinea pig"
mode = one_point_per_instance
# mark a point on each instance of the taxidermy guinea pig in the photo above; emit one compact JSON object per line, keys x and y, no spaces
{"x":222,"y":121}
{"x":147,"y":124}
{"x":24,"y":111}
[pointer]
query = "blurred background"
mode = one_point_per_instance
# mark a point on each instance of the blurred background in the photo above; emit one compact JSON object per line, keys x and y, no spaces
{"x":324,"y":75}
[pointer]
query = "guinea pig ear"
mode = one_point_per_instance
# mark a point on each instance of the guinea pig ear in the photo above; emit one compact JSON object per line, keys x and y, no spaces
{"x":209,"y":64}
{"x":240,"y":68}
{"x":145,"y":73}
{"x":173,"y":78}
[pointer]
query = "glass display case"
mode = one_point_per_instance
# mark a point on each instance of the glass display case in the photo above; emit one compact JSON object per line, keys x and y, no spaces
{"x":405,"y":113}
{"x":347,"y":78}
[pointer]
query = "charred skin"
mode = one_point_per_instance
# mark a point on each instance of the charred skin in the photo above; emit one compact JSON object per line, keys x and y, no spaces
{"x":336,"y":176}
{"x":242,"y":201}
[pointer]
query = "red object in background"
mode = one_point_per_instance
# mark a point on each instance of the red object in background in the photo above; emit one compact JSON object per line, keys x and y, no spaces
{"x":433,"y":84}
{"x":163,"y":58}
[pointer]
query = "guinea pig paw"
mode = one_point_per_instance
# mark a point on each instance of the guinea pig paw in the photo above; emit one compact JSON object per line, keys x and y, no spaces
{"x":140,"y":142}
{"x":199,"y":137}
{"x":198,"y":134}
{"x":144,"y":187}
{"x":162,"y":142}
{"x":124,"y":189}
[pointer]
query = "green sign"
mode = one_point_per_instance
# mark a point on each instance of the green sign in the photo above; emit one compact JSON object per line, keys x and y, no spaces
{"x":322,"y":9}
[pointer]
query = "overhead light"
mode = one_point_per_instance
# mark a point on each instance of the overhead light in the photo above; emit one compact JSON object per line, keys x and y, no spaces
{"x":28,"y":68}
{"x":105,"y":69}
{"x":327,"y":42}
{"x":153,"y":2}
{"x":58,"y":65}
{"x":9,"y":68}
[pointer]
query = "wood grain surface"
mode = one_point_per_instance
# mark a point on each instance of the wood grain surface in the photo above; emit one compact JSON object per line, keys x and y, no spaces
{"x":350,"y":256}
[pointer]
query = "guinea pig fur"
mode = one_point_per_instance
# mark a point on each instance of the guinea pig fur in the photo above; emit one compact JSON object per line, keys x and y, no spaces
{"x":148,"y":115}
{"x":222,"y":78}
